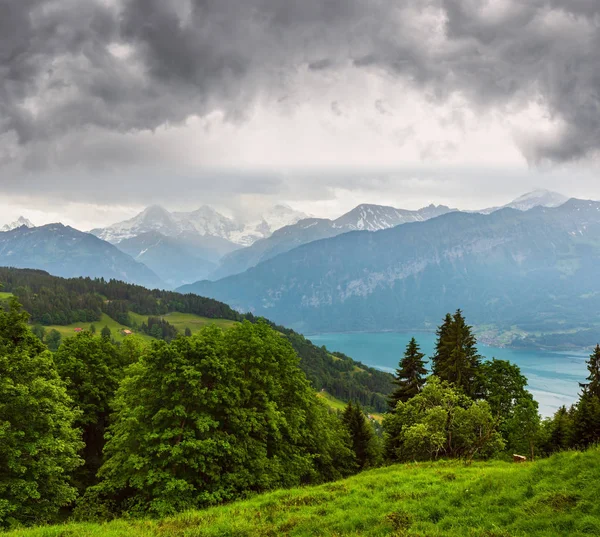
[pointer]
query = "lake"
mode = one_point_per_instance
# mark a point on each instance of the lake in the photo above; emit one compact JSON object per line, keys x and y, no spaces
{"x":553,"y":376}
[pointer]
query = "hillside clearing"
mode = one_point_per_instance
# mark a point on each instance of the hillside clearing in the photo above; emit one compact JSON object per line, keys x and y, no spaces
{"x":552,"y":497}
{"x":181,"y":321}
{"x":105,"y":320}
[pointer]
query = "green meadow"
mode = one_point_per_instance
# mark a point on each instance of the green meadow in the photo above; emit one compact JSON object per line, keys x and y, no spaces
{"x":551,"y":497}
{"x":181,"y":321}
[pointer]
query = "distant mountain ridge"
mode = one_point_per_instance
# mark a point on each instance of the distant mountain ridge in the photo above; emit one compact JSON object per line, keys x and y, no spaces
{"x":66,"y":252}
{"x":204,"y":221}
{"x":364,"y":217}
{"x":536,"y":270}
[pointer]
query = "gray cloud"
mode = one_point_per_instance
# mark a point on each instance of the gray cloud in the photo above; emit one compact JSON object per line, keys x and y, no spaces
{"x":68,"y":66}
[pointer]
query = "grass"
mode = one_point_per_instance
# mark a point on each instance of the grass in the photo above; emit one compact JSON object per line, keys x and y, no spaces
{"x":553,"y":497}
{"x":5,"y":296}
{"x":115,"y":328}
{"x":337,"y":404}
{"x":181,"y":321}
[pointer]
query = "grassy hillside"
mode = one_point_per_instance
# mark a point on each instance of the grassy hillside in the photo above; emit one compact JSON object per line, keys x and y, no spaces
{"x":181,"y":321}
{"x":553,"y":497}
{"x":4,"y":296}
{"x":115,"y":328}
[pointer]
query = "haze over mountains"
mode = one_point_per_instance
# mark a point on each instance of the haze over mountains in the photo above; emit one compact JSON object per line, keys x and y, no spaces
{"x":536,"y":270}
{"x":159,"y":248}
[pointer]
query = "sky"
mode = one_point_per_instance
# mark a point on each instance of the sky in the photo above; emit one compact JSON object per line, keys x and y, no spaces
{"x":107,"y":106}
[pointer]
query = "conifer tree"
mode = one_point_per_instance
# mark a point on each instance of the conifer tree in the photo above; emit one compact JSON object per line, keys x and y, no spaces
{"x":362,"y":436}
{"x":456,"y":359}
{"x":410,"y":375}
{"x":587,"y":415}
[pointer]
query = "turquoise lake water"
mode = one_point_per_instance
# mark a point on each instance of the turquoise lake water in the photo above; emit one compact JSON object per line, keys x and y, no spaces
{"x":553,"y":376}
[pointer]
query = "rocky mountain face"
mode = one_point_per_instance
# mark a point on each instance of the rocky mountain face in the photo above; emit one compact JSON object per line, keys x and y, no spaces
{"x":21,"y":221}
{"x":67,"y":252}
{"x":537,"y":270}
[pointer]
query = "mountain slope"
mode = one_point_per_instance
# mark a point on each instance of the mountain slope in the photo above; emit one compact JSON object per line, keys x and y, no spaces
{"x":507,"y":268}
{"x":67,"y":252}
{"x":550,"y":497}
{"x":173,"y":259}
{"x":363,"y":217}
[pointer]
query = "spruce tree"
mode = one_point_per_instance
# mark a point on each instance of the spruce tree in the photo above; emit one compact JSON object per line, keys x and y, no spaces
{"x":456,"y":359}
{"x":587,"y":415}
{"x":410,"y":375}
{"x":362,"y":436}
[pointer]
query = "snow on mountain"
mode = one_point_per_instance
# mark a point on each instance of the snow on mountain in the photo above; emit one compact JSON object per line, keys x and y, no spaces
{"x":204,"y":221}
{"x":376,"y":217}
{"x":536,"y":198}
{"x":154,"y":218}
{"x":263,"y":227}
{"x":21,"y":221}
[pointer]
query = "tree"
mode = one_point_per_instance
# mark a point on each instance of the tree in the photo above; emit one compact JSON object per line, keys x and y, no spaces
{"x":207,"y":418}
{"x":188,"y":331}
{"x":363,"y":439}
{"x":410,"y":375}
{"x":593,"y":366}
{"x":558,"y":431}
{"x":38,"y":443}
{"x":587,"y":415}
{"x":106,"y":333}
{"x":39,"y":331}
{"x":92,"y":328}
{"x":456,"y":359}
{"x":91,"y":368}
{"x":522,"y":429}
{"x":441,"y":421}
{"x":53,"y":339}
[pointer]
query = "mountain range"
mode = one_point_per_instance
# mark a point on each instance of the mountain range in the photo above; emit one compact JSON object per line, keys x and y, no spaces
{"x":204,"y":221}
{"x":170,"y":249}
{"x":364,"y":217}
{"x":536,"y":270}
{"x":67,"y":252}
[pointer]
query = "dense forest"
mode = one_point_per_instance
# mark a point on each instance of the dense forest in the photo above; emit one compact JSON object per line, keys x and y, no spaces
{"x":50,"y":300}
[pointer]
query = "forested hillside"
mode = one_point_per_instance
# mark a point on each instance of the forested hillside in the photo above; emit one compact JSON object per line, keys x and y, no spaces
{"x":57,"y":301}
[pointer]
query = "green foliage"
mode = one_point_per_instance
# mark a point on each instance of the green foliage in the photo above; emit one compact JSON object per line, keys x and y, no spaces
{"x":547,"y":498}
{"x":91,"y":368}
{"x":59,"y":302}
{"x":441,"y":422}
{"x":365,"y":443}
{"x":410,"y":376}
{"x":209,"y":418}
{"x":106,"y":333}
{"x":456,"y":359}
{"x":38,"y":444}
{"x":159,"y":328}
{"x":53,"y":340}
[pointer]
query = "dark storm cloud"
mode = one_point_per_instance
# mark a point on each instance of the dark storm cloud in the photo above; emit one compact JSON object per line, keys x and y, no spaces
{"x":125,"y":65}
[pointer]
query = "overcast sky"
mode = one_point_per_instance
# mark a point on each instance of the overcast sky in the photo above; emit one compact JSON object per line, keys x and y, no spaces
{"x":107,"y":106}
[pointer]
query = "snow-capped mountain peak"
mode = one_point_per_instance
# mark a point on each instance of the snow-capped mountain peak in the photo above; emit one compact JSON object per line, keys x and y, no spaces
{"x":21,"y":221}
{"x":537,"y":198}
{"x":204,"y":221}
